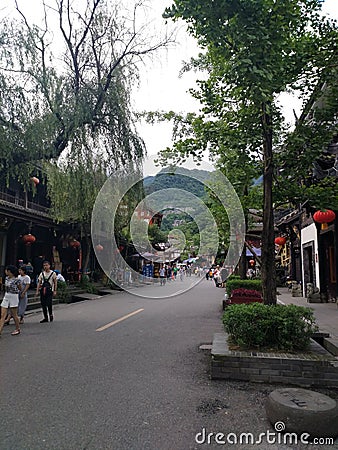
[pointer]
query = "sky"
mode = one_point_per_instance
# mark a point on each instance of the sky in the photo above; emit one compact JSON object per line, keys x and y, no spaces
{"x":161,"y":87}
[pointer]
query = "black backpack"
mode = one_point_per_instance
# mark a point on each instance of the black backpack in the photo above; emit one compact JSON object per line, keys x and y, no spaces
{"x":46,"y":288}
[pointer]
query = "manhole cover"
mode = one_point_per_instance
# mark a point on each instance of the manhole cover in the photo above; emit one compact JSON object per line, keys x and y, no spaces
{"x":303,"y":411}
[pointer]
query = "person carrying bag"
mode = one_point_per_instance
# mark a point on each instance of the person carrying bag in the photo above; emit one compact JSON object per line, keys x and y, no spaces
{"x":47,"y":285}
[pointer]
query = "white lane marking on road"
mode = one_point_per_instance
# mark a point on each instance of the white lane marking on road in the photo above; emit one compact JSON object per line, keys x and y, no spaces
{"x":104,"y":327}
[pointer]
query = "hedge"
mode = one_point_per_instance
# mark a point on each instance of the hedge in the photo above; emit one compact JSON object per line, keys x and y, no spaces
{"x":279,"y":327}
{"x":243,"y":284}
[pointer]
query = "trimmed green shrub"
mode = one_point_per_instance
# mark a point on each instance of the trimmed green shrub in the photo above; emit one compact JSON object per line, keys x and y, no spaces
{"x":63,"y":294}
{"x":87,"y":285}
{"x":233,"y":277}
{"x":237,"y":283}
{"x":276,"y":327}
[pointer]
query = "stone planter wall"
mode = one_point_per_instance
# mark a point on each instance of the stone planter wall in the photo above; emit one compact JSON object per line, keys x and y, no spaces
{"x":314,"y":368}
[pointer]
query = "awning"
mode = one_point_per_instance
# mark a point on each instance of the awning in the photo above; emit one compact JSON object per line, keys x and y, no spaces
{"x":257,"y":250}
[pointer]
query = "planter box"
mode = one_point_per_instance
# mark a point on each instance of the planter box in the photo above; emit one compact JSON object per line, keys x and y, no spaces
{"x":315,"y":367}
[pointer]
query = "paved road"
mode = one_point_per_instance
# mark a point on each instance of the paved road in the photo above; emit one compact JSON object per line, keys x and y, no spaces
{"x":141,"y":383}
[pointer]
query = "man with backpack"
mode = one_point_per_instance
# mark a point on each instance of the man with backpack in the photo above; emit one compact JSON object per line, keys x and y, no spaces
{"x":47,"y":285}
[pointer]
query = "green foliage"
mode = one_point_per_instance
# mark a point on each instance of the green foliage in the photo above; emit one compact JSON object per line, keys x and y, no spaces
{"x":156,"y":235}
{"x":254,"y":50}
{"x":237,"y":283}
{"x":63,"y":294}
{"x":87,"y":285}
{"x":182,"y":180}
{"x":279,"y":327}
{"x":233,"y":277}
{"x":53,"y":96}
{"x":73,"y":185}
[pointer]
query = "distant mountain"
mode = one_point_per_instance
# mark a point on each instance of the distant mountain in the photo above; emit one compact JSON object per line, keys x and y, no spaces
{"x":148,"y":180}
{"x":179,"y":179}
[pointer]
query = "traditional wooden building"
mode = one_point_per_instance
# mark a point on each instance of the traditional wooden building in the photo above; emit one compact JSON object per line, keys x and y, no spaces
{"x":28,"y":232}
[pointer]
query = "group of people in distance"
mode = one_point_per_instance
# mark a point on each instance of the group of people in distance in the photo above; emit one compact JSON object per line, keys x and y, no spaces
{"x":168,"y":273}
{"x":14,"y":303}
{"x":171,"y":273}
{"x":218,"y":274}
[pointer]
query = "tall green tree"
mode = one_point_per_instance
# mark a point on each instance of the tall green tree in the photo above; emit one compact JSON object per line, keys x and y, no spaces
{"x":254,"y":51}
{"x":65,"y":98}
{"x":68,"y":77}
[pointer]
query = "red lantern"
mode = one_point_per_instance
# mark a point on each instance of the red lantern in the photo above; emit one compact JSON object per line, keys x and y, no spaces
{"x":99,"y":247}
{"x":280,"y":240}
{"x":324,"y":217}
{"x":252,"y":262}
{"x":35,"y":180}
{"x":75,"y":243}
{"x":28,"y":239}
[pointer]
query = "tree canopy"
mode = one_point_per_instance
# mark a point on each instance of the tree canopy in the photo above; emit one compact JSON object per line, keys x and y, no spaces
{"x":254,"y":50}
{"x":72,"y":81}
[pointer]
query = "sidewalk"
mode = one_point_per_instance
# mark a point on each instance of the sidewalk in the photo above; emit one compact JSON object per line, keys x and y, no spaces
{"x":326,"y":314}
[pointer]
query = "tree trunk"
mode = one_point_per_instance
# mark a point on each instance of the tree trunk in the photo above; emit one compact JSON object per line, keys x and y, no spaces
{"x":88,"y":253}
{"x":268,"y":236}
{"x":88,"y":247}
{"x":242,"y":264}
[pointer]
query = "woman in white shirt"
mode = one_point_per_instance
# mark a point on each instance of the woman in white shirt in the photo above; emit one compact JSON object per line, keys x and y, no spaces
{"x":25,"y":282}
{"x":11,"y":298}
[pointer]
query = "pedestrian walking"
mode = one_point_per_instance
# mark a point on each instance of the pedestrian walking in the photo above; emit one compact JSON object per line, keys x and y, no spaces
{"x":11,"y":298}
{"x":47,"y":285}
{"x":181,"y":273}
{"x":162,"y":276}
{"x":30,"y":273}
{"x":25,"y":282}
{"x":169,"y":273}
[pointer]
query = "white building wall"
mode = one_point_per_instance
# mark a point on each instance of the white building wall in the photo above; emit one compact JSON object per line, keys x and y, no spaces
{"x":309,"y":234}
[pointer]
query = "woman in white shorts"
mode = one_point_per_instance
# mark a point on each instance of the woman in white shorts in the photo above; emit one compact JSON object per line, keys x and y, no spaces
{"x":11,"y":298}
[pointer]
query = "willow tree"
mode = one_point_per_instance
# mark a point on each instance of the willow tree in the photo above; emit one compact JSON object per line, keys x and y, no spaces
{"x":254,"y":51}
{"x":70,"y":78}
{"x":65,"y":98}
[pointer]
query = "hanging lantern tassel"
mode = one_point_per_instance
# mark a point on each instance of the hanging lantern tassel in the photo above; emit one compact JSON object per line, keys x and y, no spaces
{"x":324,"y":216}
